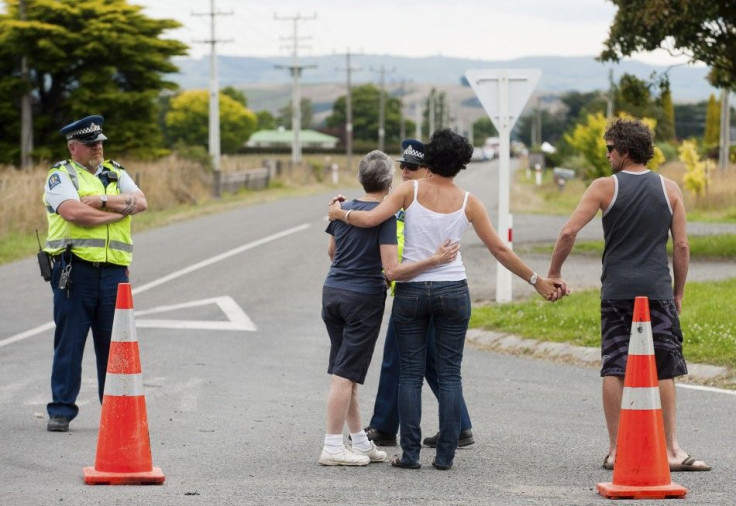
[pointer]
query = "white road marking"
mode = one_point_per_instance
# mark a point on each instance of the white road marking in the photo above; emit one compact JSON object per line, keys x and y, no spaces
{"x":169,"y":277}
{"x":708,"y":389}
{"x":236,"y":317}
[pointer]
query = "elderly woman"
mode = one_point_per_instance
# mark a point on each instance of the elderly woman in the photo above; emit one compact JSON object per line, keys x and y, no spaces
{"x":437,"y":209}
{"x":353,"y":299}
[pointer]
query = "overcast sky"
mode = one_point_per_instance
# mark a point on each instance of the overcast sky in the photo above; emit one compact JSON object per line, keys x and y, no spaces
{"x":477,"y":29}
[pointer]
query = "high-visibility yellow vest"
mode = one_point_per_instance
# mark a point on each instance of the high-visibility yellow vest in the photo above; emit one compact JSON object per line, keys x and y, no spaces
{"x":111,"y":242}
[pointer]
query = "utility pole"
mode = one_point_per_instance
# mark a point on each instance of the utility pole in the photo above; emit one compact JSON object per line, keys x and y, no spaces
{"x":349,"y":113}
{"x":214,"y":120}
{"x":296,"y":71}
{"x":26,"y":116}
{"x":725,"y":140}
{"x":382,"y":108}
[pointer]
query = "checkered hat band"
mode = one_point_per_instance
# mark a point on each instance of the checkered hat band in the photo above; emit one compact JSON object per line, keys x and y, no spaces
{"x":92,"y":129}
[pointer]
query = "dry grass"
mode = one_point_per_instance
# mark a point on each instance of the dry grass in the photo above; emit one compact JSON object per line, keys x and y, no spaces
{"x":175,"y":188}
{"x":718,"y":203}
{"x":719,"y":200}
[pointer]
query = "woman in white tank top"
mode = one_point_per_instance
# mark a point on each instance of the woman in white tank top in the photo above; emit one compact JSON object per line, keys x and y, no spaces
{"x":436,"y":210}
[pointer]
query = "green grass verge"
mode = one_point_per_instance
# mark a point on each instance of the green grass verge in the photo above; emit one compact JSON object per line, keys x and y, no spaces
{"x":708,"y":321}
{"x":720,"y":246}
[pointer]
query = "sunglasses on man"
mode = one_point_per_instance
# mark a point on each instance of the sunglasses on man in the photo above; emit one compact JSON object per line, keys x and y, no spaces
{"x":409,"y":166}
{"x":610,"y":147}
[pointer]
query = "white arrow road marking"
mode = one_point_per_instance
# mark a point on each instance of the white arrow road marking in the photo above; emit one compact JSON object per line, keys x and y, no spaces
{"x":174,"y":275}
{"x":237,"y":319}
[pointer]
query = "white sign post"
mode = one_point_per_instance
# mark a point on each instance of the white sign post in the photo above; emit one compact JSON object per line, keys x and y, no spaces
{"x":503,"y":94}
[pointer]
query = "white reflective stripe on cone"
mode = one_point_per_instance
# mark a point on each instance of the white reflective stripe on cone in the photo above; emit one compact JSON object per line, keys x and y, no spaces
{"x":641,"y":341}
{"x":641,"y":398}
{"x":124,"y":385}
{"x":123,"y":326}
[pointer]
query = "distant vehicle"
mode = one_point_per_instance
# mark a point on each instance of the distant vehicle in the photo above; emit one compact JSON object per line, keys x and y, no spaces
{"x":477,"y":155}
{"x":491,"y":148}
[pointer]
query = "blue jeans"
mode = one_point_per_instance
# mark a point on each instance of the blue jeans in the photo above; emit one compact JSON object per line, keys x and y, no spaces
{"x":416,"y":304}
{"x":89,"y":304}
{"x":386,"y":408}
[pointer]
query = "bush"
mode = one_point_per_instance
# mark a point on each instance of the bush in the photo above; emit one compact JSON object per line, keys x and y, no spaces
{"x":669,"y":151}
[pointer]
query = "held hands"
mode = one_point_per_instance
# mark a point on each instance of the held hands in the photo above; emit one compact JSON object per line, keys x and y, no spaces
{"x":334,"y":208}
{"x":447,"y":252}
{"x":552,"y":289}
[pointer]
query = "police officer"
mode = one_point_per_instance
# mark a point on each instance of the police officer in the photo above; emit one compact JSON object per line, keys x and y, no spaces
{"x":89,"y":202}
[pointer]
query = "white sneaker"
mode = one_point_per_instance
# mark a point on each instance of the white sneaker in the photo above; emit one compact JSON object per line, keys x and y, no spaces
{"x":344,"y":457}
{"x":372,"y":453}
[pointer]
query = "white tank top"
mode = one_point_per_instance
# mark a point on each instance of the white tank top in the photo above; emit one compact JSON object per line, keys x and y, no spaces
{"x":425,"y":230}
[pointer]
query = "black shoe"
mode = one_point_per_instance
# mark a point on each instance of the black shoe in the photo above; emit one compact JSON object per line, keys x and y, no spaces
{"x":58,"y":424}
{"x":466,"y":439}
{"x":397,"y":462}
{"x":379,"y":437}
{"x":439,"y":467}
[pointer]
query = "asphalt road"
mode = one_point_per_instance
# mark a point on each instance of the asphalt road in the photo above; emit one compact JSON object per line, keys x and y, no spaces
{"x":236,"y":413}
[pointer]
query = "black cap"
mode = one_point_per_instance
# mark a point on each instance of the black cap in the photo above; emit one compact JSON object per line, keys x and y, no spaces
{"x":413,"y":152}
{"x":87,"y":129}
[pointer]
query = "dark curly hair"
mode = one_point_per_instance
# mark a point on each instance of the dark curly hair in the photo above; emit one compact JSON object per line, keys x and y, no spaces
{"x":447,"y":153}
{"x":631,"y":137}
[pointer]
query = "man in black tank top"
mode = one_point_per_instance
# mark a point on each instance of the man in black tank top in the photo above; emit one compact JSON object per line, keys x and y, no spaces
{"x":640,"y":210}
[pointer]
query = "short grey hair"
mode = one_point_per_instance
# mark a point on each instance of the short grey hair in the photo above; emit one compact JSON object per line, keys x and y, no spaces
{"x":376,"y":171}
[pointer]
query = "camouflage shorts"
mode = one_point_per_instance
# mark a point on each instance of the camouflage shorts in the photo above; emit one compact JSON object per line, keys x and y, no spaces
{"x":616,"y":317}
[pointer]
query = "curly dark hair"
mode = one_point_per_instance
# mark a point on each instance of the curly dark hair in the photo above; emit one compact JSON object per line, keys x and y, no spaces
{"x":631,"y":137}
{"x":447,"y":153}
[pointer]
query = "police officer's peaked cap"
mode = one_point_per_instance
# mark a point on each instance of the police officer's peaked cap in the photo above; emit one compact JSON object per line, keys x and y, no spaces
{"x":413,"y":152}
{"x":87,"y":129}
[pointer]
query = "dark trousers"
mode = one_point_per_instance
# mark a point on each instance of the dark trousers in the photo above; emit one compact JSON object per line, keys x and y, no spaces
{"x":386,"y":408}
{"x":416,"y":304}
{"x":88,"y":304}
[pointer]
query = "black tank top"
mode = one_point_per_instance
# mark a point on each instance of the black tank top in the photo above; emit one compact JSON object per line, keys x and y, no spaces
{"x":636,"y":228}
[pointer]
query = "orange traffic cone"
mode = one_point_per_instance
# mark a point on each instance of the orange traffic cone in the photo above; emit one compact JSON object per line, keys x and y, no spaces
{"x":641,"y":470}
{"x":123,"y":445}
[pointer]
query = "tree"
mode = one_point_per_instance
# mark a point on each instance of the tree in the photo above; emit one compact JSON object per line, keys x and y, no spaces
{"x":632,"y":96}
{"x":266,"y":120}
{"x":712,"y":122}
{"x":236,"y":95}
{"x":704,"y":30}
{"x":307,"y":112}
{"x":92,"y":57}
{"x":587,"y":139}
{"x":365,"y":103}
{"x":666,"y":124}
{"x":188,"y":121}
{"x":482,"y":129}
{"x":695,"y":179}
{"x":579,"y":105}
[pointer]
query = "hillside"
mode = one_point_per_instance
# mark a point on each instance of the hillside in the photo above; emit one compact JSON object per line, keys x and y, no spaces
{"x":269,"y":88}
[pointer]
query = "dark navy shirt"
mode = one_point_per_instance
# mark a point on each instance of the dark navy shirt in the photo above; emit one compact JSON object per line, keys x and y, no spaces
{"x":636,"y":227}
{"x":357,"y":264}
